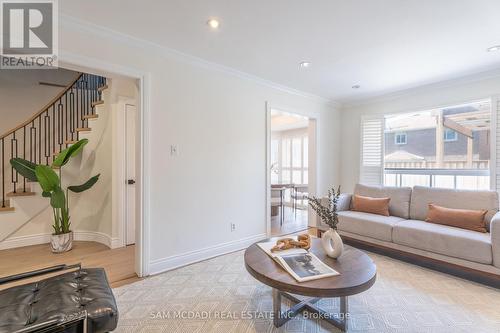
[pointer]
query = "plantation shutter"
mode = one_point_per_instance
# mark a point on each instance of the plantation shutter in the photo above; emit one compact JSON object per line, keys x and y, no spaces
{"x":495,"y":158}
{"x":372,"y":151}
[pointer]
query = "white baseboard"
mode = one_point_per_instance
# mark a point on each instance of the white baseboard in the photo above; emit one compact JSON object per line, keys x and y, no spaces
{"x":179,"y":260}
{"x":89,"y":236}
{"x":116,"y":243}
{"x":20,"y":241}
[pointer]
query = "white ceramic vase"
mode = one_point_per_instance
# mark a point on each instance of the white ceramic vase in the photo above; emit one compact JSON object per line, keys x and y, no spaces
{"x":332,"y":243}
{"x":61,"y":243}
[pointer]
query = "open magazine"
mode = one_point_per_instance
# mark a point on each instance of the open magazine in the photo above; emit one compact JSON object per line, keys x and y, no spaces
{"x":299,"y":263}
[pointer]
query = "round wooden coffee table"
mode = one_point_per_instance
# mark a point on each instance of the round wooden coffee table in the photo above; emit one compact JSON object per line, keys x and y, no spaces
{"x":357,"y":274}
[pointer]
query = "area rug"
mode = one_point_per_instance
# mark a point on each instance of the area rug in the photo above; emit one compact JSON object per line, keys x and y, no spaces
{"x":218,"y":295}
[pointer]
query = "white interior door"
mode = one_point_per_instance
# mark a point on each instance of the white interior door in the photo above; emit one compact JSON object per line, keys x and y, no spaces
{"x":130,"y":137}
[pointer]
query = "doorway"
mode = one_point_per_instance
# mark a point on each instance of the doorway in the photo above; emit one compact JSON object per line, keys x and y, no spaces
{"x":291,"y":175}
{"x":129,"y":223}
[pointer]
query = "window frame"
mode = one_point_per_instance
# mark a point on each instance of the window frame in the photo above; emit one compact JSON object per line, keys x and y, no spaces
{"x":400,"y":135}
{"x":448,"y":130}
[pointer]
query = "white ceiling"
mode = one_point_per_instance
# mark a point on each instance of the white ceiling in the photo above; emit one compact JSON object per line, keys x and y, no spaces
{"x":382,"y":45}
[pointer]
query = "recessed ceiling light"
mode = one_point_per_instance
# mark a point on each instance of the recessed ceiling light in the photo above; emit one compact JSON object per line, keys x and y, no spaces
{"x":356,"y":86}
{"x":305,"y":64}
{"x":493,"y":48}
{"x":213,"y":23}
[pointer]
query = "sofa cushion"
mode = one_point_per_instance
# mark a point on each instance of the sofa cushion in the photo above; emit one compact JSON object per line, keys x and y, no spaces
{"x":450,"y":241}
{"x":460,"y":199}
{"x":366,"y":224}
{"x":400,"y":197}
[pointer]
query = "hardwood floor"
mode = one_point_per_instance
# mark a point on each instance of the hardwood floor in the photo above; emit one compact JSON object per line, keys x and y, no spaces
{"x":118,"y":263}
{"x":291,"y":222}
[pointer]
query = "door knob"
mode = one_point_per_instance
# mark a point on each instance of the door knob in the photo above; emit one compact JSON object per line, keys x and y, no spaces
{"x":131,"y":182}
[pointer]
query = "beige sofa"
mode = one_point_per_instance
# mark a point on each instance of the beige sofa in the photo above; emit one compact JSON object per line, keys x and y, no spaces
{"x":406,"y":232}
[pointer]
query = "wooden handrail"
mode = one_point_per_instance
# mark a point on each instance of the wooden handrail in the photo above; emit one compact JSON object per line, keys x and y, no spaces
{"x":68,"y":87}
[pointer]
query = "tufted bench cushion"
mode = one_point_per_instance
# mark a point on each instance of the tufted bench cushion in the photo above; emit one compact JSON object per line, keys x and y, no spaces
{"x":59,"y":299}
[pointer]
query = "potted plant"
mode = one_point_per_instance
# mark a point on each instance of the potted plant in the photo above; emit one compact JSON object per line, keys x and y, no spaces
{"x":51,"y":184}
{"x":327,"y":211}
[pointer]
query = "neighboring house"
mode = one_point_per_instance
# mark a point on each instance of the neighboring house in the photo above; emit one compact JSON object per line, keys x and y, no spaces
{"x":411,"y":141}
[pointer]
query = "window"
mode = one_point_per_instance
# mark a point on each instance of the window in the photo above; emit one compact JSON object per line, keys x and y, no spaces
{"x":450,"y":135}
{"x":400,"y":138}
{"x":289,"y":158}
{"x":426,"y":159}
{"x":275,"y":161}
{"x":294,"y":163}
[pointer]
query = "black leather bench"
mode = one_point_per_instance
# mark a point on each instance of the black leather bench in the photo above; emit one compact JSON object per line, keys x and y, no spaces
{"x":77,"y":301}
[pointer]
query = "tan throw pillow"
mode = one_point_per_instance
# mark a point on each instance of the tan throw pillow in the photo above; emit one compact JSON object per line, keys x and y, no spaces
{"x":379,"y":206}
{"x":460,"y":218}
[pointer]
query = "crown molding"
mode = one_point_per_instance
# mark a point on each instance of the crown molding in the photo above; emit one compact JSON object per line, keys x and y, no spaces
{"x":459,"y":81}
{"x":70,"y":21}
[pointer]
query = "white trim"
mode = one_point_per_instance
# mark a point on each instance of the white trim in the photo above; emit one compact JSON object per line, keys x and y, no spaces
{"x":494,"y":100}
{"x":184,"y":57}
{"x":88,"y":236}
{"x":74,"y":61}
{"x":188,"y":258}
{"x":268,"y":136}
{"x":116,"y":243}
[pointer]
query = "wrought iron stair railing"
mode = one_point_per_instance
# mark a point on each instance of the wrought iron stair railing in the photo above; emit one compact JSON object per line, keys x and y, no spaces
{"x":40,"y":138}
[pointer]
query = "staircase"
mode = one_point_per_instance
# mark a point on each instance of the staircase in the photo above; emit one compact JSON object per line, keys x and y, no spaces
{"x":60,"y":123}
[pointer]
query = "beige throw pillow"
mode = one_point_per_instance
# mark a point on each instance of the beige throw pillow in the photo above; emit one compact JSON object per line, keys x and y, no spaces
{"x":459,"y":218}
{"x":379,"y":206}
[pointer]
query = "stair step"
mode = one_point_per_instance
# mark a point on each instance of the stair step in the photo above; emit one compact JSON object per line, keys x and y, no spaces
{"x":83,"y":129}
{"x":97,"y":103}
{"x":71,"y":142}
{"x":101,"y":88}
{"x":20,"y":193}
{"x":91,"y":116}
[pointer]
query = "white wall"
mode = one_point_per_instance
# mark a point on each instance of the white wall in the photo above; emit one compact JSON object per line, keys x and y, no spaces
{"x":218,"y":121}
{"x":431,"y":96}
{"x":22,"y":96}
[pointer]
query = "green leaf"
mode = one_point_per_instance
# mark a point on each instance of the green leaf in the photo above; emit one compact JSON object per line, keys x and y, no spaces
{"x":47,"y":178}
{"x":64,"y":156}
{"x":46,"y":194}
{"x":57,"y":199}
{"x":25,"y":168}
{"x":85,"y":186}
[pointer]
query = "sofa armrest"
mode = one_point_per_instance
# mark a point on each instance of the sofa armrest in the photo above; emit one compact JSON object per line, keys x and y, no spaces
{"x":495,"y":238}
